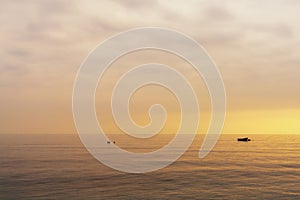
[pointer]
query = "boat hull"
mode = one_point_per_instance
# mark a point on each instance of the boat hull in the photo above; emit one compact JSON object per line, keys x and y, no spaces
{"x":243,"y":139}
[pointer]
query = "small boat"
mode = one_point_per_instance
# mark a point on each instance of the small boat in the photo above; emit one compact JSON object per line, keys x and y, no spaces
{"x":243,"y":139}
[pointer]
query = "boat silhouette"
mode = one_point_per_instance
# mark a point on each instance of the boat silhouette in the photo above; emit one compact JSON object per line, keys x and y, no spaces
{"x":245,"y":139}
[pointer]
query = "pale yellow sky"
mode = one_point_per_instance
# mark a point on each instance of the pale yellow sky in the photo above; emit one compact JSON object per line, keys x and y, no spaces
{"x":255,"y":44}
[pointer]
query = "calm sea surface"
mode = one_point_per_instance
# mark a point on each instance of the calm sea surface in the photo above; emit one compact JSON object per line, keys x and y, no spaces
{"x":59,"y":167}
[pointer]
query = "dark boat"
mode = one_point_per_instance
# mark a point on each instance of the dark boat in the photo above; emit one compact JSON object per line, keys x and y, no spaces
{"x":243,"y":139}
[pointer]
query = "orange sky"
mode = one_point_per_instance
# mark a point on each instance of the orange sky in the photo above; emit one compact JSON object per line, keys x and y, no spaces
{"x":255,"y":44}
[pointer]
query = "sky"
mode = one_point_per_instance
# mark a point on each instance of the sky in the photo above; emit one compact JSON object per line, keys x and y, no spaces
{"x":255,"y":45}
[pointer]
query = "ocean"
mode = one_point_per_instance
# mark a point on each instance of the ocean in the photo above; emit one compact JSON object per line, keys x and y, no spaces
{"x":57,"y":166}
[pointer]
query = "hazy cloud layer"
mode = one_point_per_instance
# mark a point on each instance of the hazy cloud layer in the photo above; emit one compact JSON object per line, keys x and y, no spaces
{"x":255,"y":44}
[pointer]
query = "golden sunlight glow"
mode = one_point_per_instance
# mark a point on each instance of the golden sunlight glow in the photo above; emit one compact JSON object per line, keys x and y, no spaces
{"x":256,"y":50}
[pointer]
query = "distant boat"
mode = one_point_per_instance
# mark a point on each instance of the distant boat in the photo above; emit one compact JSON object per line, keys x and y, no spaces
{"x":243,"y":139}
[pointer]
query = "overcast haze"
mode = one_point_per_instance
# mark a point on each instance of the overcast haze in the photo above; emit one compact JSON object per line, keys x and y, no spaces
{"x":255,"y":44}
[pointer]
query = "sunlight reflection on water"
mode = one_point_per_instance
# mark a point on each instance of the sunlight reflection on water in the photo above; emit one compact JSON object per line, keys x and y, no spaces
{"x":59,"y":167}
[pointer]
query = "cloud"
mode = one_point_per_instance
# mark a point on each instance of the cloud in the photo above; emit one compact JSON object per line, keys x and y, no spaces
{"x":255,"y":44}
